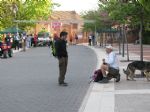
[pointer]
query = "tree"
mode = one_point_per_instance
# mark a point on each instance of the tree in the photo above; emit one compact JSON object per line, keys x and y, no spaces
{"x":5,"y":13}
{"x":27,"y":10}
{"x":145,"y":4}
{"x":93,"y":16}
{"x":130,"y":12}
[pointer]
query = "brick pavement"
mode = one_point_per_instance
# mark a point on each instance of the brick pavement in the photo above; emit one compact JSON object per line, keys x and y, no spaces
{"x":136,"y":50}
{"x":28,"y":81}
{"x":125,"y":96}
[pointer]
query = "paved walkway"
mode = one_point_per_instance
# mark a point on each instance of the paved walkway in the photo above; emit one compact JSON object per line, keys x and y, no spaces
{"x":28,"y":81}
{"x":15,"y":51}
{"x":136,"y":50}
{"x":125,"y":96}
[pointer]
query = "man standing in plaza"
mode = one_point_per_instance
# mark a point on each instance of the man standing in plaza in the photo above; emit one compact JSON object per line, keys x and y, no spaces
{"x":62,"y":55}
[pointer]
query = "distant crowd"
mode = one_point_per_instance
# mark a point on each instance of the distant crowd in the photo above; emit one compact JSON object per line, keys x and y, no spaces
{"x":18,"y":41}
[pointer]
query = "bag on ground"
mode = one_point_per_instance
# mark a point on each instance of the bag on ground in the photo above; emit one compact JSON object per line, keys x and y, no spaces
{"x":97,"y":75}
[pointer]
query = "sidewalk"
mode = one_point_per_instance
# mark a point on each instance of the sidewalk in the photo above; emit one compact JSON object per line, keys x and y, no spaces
{"x":15,"y":51}
{"x":125,"y":96}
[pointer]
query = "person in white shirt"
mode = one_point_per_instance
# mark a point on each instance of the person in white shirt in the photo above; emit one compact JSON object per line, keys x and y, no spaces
{"x":110,"y":64}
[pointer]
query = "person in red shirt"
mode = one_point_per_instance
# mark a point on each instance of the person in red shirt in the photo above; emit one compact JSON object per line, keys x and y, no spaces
{"x":35,"y":40}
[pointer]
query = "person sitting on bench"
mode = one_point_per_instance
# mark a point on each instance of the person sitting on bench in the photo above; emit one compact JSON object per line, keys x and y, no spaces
{"x":110,"y":64}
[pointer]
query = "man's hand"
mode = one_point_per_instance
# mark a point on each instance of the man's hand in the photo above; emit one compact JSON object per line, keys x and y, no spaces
{"x":104,"y":61}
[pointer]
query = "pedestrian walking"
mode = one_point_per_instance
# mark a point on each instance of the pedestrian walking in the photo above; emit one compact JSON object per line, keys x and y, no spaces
{"x":90,"y":39}
{"x":70,"y":40}
{"x":7,"y":39}
{"x":93,"y":39}
{"x":62,"y":55}
{"x":24,"y":42}
{"x":35,"y":40}
{"x":76,"y":39}
{"x":32,"y":40}
{"x":16,"y":41}
{"x":28,"y":41}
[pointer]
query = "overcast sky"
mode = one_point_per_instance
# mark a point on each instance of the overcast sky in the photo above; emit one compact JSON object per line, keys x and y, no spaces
{"x":77,"y":5}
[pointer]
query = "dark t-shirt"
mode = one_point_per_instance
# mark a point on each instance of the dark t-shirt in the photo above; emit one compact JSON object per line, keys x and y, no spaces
{"x":7,"y":40}
{"x":61,"y":50}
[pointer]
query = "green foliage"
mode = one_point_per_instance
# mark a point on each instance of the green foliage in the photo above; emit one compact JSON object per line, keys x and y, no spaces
{"x":5,"y":13}
{"x":90,"y":15}
{"x":26,"y":10}
{"x":1,"y":37}
{"x":130,"y":12}
{"x":38,"y":8}
{"x":97,"y":18}
{"x":145,"y":4}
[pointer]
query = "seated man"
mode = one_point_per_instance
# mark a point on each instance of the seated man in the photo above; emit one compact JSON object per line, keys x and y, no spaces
{"x":110,"y":64}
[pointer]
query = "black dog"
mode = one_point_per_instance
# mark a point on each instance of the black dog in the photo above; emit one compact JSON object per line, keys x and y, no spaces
{"x":137,"y":65}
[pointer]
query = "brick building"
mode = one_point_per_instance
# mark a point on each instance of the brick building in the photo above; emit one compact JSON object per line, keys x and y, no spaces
{"x":69,"y":21}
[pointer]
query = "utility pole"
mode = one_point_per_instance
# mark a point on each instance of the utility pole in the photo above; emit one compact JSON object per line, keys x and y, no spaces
{"x":120,"y":35}
{"x":140,"y":35}
{"x":15,"y":9}
{"x":123,"y":41}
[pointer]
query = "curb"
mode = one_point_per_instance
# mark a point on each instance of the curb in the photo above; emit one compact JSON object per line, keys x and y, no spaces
{"x":100,"y":97}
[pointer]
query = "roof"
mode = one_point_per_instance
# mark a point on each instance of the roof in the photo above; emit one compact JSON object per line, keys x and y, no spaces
{"x":65,"y":15}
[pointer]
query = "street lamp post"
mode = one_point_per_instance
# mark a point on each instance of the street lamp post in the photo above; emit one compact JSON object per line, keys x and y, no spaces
{"x":15,"y":9}
{"x":125,"y":30}
{"x":120,"y":35}
{"x":140,"y":35}
{"x":123,"y":40}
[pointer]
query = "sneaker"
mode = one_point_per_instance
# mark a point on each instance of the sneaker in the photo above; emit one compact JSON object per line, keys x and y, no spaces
{"x":104,"y":80}
{"x":63,"y":84}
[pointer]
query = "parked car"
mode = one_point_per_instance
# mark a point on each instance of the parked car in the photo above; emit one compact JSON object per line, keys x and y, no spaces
{"x":43,"y":39}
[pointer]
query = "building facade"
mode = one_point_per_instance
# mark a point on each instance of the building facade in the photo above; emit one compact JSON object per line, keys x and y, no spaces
{"x":59,"y":21}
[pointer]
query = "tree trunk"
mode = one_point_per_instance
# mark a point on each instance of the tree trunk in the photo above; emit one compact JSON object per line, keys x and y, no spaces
{"x":120,"y":37}
{"x":125,"y":34}
{"x":140,"y":38}
{"x":123,"y":40}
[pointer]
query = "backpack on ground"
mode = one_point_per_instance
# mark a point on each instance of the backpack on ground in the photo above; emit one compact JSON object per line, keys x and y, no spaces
{"x":97,"y":76}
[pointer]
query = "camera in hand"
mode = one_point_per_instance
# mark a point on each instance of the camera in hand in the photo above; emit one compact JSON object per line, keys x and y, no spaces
{"x":105,"y":63}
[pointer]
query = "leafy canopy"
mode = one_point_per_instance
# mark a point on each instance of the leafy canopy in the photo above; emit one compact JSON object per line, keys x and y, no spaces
{"x":11,"y":10}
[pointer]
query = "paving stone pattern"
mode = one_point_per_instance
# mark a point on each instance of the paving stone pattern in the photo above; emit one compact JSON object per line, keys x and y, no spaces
{"x":28,"y":81}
